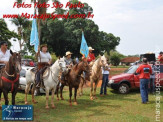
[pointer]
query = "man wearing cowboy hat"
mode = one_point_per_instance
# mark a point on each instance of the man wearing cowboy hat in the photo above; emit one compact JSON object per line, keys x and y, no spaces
{"x":91,"y":56}
{"x":68,"y":59}
{"x":44,"y":59}
{"x":4,"y":53}
{"x":69,"y":64}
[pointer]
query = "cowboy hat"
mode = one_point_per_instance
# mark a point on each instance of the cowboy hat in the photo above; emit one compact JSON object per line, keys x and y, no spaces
{"x":90,"y":48}
{"x":68,"y":53}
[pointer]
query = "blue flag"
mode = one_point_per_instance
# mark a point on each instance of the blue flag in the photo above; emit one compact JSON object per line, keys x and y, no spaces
{"x":84,"y":47}
{"x":34,"y":35}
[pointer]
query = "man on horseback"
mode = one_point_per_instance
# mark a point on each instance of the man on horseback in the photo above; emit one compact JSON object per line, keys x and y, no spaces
{"x":69,"y":64}
{"x":4,"y":54}
{"x":91,"y":56}
{"x":44,"y":60}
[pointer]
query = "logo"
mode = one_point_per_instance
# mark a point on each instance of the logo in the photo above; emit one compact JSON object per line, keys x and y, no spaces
{"x":17,"y":112}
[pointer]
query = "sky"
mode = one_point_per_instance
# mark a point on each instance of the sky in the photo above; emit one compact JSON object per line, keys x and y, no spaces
{"x":139,"y":23}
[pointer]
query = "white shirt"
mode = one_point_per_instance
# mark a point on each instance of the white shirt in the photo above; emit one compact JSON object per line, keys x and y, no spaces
{"x":105,"y":71}
{"x":4,"y":57}
{"x":45,"y":57}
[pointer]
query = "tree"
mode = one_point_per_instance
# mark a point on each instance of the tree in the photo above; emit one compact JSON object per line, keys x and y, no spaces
{"x":115,"y":57}
{"x":5,"y":33}
{"x":23,"y":25}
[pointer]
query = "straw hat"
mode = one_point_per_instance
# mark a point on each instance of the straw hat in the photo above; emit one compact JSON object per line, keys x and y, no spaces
{"x":44,"y":45}
{"x":68,"y":53}
{"x":90,"y":48}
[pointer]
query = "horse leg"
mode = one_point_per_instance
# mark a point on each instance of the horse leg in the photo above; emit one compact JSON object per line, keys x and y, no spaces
{"x":95,"y":90}
{"x":57,"y":89}
{"x":13,"y":97}
{"x":52,"y":99}
{"x":61,"y":91}
{"x":5,"y":94}
{"x":47,"y":98}
{"x":32,"y":92}
{"x":70,"y":94}
{"x":27,"y":92}
{"x":75,"y":93}
{"x":91,"y":95}
{"x":80,"y":87}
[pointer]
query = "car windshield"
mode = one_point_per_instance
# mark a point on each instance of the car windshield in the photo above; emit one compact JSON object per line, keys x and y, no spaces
{"x":132,"y":69}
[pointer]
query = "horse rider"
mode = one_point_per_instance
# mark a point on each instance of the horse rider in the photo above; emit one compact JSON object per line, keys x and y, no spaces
{"x":91,"y":56}
{"x":69,"y":64}
{"x":44,"y":60}
{"x":4,"y":54}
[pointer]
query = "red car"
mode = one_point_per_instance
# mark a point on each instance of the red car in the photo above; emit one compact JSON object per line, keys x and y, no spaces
{"x":129,"y":79}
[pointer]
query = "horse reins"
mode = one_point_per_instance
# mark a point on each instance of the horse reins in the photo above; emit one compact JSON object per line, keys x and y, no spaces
{"x":10,"y":81}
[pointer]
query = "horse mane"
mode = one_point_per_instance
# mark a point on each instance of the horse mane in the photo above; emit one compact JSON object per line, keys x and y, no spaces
{"x":75,"y":66}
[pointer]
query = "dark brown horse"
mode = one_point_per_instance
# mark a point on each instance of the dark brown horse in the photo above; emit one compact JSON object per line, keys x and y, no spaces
{"x":9,"y":77}
{"x":74,"y":78}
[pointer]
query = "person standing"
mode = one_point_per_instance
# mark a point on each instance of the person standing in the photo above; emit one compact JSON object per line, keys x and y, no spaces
{"x":105,"y":73}
{"x":144,"y":70}
{"x":4,"y":54}
{"x":91,"y":56}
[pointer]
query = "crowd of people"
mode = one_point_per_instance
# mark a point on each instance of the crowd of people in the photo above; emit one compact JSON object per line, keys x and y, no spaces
{"x":146,"y":69}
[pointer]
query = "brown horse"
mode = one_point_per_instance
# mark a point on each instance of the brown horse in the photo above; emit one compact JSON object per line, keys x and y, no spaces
{"x":9,"y":77}
{"x":74,"y":78}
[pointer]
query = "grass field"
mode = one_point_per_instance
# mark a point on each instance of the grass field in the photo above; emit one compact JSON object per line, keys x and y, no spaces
{"x":111,"y":108}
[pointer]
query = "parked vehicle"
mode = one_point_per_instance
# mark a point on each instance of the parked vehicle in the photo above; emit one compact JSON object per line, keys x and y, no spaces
{"x":129,"y":79}
{"x":22,"y":82}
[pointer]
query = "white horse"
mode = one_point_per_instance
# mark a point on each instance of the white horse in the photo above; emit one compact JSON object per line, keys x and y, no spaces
{"x":50,"y":79}
{"x":96,"y":73}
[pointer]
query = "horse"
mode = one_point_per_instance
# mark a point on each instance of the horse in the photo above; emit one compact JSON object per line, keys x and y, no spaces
{"x":50,"y":79}
{"x":83,"y":80}
{"x":96,"y":73}
{"x":9,"y":77}
{"x":74,"y":76}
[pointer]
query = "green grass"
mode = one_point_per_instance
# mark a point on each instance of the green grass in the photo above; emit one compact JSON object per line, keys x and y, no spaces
{"x":112,"y":108}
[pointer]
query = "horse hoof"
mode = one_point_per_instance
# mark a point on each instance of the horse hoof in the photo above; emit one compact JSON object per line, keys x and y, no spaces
{"x":70,"y":104}
{"x":47,"y":107}
{"x":91,"y":98}
{"x":26,"y":103}
{"x":75,"y":103}
{"x":62,"y":99}
{"x":53,"y":107}
{"x":95,"y":97}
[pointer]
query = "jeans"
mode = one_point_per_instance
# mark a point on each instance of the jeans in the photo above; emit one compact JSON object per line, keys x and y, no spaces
{"x":152,"y":85}
{"x":144,"y":90}
{"x":104,"y":83}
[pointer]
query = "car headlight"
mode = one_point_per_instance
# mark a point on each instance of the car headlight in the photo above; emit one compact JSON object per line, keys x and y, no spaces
{"x":111,"y":81}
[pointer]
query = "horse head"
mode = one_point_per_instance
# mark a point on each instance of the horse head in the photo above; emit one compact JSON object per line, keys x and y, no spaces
{"x":62,"y":64}
{"x":15,"y":61}
{"x":103,"y":61}
{"x":86,"y":68}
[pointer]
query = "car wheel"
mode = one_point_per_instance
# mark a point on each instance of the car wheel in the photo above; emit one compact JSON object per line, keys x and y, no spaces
{"x":123,"y":88}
